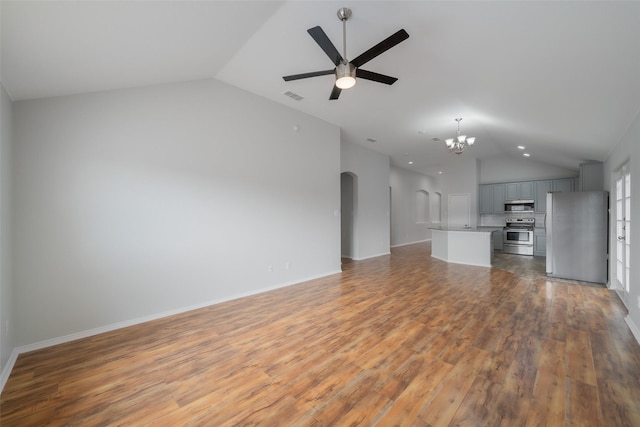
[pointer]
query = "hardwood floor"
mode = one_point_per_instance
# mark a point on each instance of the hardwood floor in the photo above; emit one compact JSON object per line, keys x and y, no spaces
{"x":395,"y":340}
{"x":530,"y":267}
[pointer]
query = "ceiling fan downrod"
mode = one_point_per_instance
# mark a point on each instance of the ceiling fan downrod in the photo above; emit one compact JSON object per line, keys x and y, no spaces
{"x":344,"y":14}
{"x":345,"y":71}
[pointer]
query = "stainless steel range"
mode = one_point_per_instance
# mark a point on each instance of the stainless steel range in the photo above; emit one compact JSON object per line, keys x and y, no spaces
{"x":518,"y":236}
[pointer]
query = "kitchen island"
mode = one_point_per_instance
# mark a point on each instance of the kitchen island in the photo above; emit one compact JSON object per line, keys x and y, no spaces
{"x":463,"y":245}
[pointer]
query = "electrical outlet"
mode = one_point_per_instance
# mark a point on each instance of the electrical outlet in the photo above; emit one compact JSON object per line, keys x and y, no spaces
{"x":270,"y":268}
{"x":287,"y":265}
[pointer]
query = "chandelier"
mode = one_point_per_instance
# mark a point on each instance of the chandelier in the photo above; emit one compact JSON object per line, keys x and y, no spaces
{"x":460,"y":142}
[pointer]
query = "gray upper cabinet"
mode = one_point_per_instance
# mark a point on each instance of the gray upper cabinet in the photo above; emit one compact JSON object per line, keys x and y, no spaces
{"x":528,"y":190}
{"x":520,"y":190}
{"x":486,"y":199}
{"x":591,"y":177}
{"x":564,"y":184}
{"x":542,"y":188}
{"x":498,"y":198}
{"x":492,"y":198}
{"x":513,"y":190}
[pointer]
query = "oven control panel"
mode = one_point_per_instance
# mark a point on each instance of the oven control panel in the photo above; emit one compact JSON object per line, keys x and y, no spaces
{"x":520,"y":221}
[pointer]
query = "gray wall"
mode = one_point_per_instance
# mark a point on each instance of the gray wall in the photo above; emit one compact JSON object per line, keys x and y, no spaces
{"x":405,"y":184}
{"x":147,"y":201}
{"x":6,"y":282}
{"x":461,"y":177}
{"x":371,"y":222}
{"x":509,"y":169}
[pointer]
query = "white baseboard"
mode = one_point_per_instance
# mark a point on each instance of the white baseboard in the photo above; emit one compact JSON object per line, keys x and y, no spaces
{"x":461,"y":263}
{"x":6,"y":371}
{"x":411,"y":243}
{"x":621,"y":297}
{"x":372,"y":256}
{"x":634,"y":328}
{"x":8,"y":367}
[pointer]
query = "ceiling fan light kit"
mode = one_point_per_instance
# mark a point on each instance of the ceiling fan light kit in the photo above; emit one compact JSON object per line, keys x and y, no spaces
{"x":460,"y":142}
{"x":345,"y":75}
{"x":347,"y":71}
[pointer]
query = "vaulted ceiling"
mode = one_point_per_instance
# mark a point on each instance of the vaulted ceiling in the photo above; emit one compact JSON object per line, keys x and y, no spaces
{"x":558,"y":77}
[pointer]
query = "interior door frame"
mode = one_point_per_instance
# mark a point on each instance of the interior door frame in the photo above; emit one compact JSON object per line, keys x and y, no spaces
{"x":621,"y":176}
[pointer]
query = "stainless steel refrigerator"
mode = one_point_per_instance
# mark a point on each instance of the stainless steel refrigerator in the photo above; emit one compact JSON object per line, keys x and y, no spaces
{"x":577,"y":235}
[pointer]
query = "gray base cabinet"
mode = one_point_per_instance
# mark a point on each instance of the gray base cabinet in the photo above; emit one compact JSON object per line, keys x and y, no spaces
{"x":539,"y":242}
{"x":498,"y":242}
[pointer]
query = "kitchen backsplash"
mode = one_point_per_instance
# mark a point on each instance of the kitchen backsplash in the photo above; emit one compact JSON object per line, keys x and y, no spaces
{"x":492,"y":220}
{"x":498,"y":220}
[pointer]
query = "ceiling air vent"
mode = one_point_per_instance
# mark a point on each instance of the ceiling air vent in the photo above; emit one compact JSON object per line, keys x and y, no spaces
{"x":293,"y":95}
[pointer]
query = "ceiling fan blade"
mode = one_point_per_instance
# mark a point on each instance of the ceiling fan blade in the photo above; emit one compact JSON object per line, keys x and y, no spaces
{"x":335,"y":93}
{"x":370,"y":75}
{"x":307,"y":75}
{"x":323,"y":41}
{"x":381,"y":47}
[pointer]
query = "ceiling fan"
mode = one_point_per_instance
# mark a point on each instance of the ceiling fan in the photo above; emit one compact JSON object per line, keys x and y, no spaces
{"x":347,"y":71}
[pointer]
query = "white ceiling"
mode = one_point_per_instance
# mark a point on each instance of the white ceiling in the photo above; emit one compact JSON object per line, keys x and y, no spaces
{"x":560,"y":77}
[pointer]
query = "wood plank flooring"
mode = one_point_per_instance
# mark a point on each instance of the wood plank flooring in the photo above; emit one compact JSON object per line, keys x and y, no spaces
{"x":395,"y":340}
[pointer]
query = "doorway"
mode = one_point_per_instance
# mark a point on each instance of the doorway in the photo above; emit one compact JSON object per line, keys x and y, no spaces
{"x":623,"y":227}
{"x":348,"y":208}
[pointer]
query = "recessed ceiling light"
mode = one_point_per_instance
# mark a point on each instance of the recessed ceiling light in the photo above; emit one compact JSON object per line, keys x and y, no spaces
{"x":436,"y":139}
{"x":410,"y":163}
{"x":370,"y":140}
{"x":439,"y":172}
{"x":526,"y":154}
{"x":521,"y":147}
